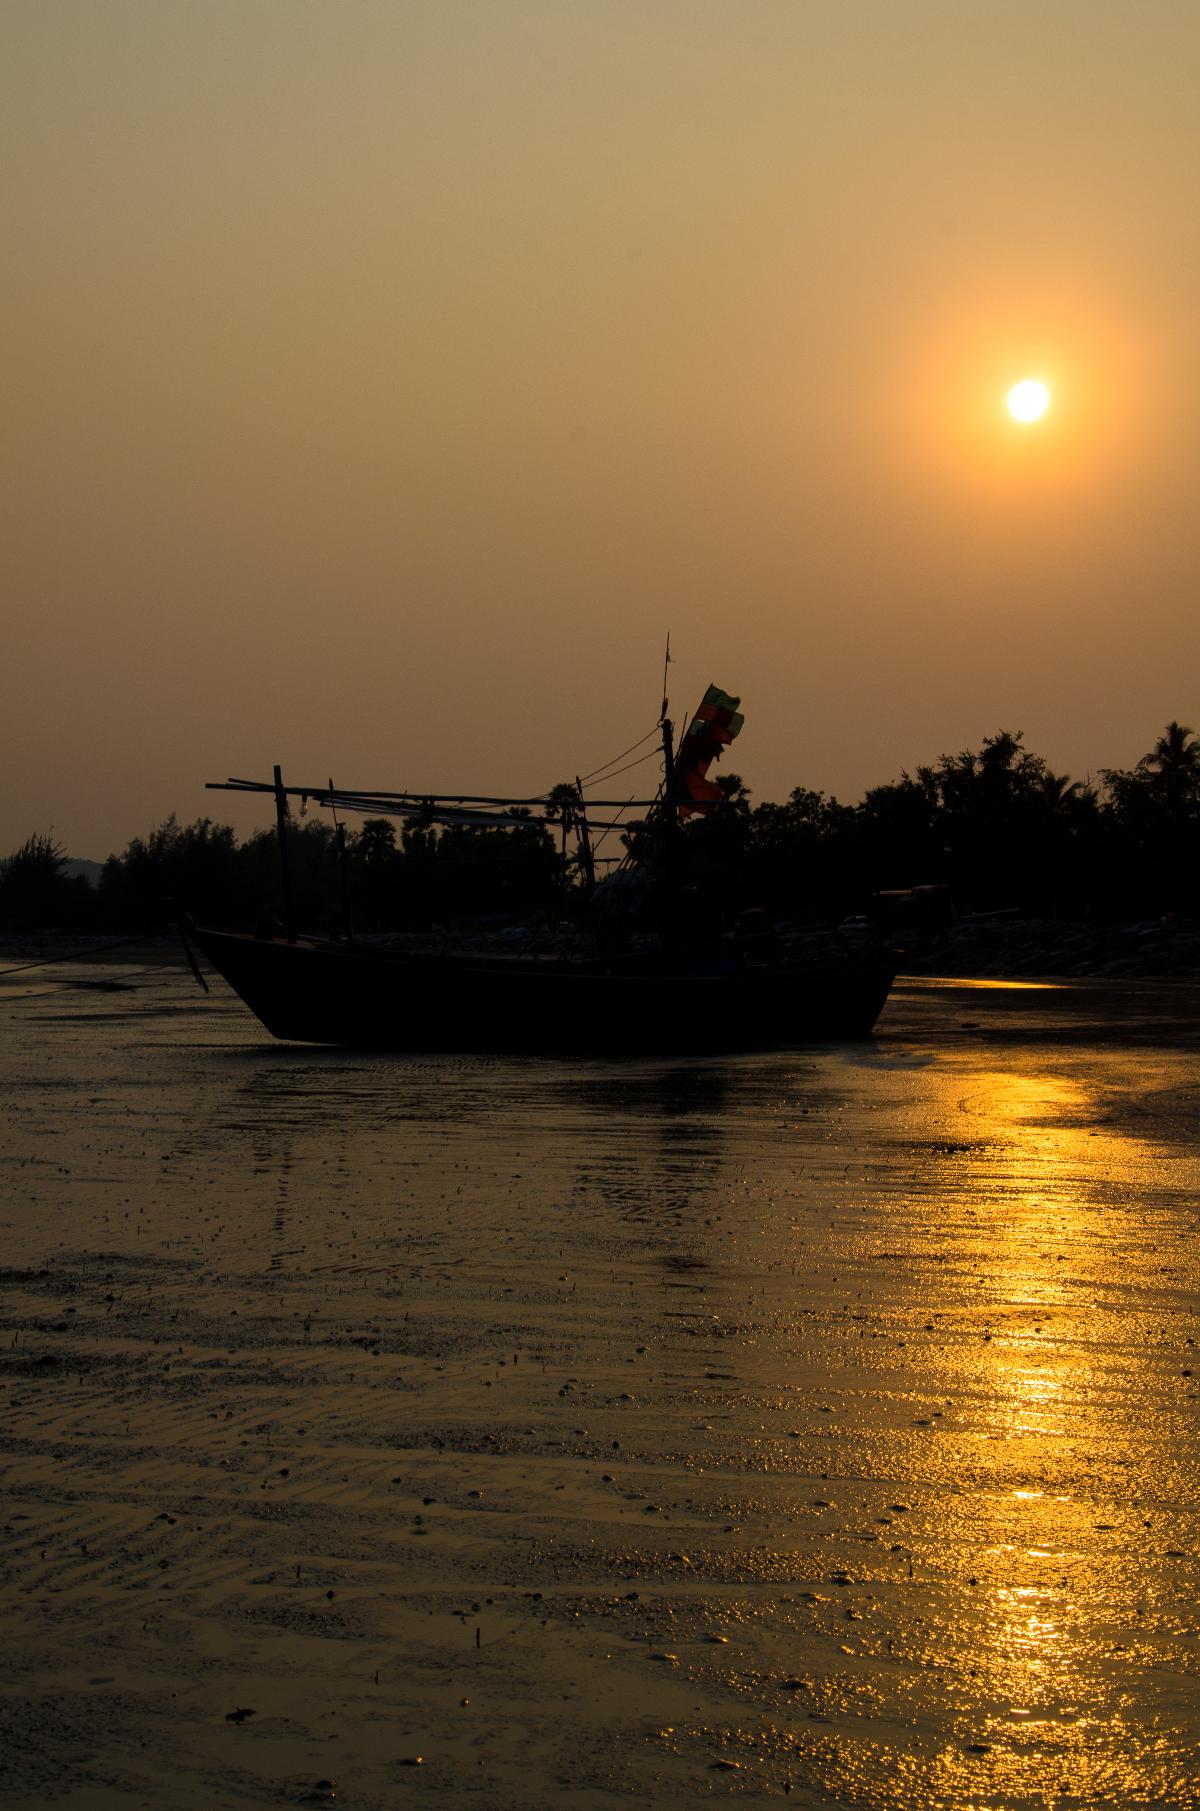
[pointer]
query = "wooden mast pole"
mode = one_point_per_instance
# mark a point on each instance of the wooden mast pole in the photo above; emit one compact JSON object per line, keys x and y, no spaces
{"x":670,"y":806}
{"x":670,"y":799}
{"x":285,"y":873}
{"x":344,"y":868}
{"x":585,"y":840}
{"x":672,"y":902}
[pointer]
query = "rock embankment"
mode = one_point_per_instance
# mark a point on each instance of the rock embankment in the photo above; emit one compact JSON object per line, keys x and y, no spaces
{"x":1016,"y":948}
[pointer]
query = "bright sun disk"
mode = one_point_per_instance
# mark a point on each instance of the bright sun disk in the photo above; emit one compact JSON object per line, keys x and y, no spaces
{"x":1028,"y":400}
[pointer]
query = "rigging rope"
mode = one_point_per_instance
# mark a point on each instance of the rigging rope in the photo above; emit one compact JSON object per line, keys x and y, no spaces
{"x":641,"y":760}
{"x":613,"y":826}
{"x":161,"y":972}
{"x":625,"y":751}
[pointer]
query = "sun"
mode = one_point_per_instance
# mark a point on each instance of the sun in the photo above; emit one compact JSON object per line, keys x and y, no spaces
{"x":1028,"y":400}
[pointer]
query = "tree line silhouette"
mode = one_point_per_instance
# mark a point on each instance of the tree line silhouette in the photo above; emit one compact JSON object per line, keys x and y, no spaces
{"x":996,"y":826}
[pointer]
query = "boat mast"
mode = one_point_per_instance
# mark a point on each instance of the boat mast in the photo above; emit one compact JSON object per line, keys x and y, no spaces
{"x":670,"y":801}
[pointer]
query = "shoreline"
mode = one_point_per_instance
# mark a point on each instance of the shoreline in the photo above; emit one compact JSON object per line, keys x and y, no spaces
{"x":1018,"y":949}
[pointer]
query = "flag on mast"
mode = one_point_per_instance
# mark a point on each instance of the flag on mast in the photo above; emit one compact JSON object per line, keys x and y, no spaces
{"x":709,"y":734}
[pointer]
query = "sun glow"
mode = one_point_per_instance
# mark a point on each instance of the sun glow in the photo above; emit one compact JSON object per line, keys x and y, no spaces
{"x":1028,"y":400}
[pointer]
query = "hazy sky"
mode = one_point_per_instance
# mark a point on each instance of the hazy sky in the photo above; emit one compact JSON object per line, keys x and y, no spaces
{"x":386,"y":377}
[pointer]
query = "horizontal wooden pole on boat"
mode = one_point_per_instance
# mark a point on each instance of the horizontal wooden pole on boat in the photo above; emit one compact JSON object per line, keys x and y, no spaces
{"x":417,"y":805}
{"x":407,"y":798}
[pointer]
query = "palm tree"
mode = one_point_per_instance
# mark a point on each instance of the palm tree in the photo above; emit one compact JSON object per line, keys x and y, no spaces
{"x":563,"y":805}
{"x":1175,"y":759}
{"x":1056,"y":790}
{"x":375,"y":844}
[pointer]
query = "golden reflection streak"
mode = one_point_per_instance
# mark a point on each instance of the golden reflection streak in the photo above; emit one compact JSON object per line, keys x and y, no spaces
{"x":989,"y":985}
{"x":1056,"y":1589}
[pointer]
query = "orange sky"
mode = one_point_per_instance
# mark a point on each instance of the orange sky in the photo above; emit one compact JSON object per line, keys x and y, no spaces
{"x":385,"y":379}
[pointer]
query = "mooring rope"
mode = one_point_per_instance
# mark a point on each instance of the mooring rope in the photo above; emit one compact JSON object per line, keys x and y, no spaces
{"x":99,"y":949}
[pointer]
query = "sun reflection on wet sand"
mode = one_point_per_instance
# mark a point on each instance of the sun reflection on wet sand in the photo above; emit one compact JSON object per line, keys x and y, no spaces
{"x":989,"y":984}
{"x":1033,"y":1346}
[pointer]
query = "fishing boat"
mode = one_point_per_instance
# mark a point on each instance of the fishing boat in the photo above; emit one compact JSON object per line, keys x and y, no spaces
{"x":687,"y":988}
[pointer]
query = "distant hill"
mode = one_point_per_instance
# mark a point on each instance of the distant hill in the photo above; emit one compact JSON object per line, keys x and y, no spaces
{"x":78,"y":868}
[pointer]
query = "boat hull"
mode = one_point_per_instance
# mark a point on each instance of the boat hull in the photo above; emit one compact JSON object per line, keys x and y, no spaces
{"x":307,"y":991}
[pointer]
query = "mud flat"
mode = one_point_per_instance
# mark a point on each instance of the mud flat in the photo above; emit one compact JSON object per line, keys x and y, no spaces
{"x":818,"y":1427}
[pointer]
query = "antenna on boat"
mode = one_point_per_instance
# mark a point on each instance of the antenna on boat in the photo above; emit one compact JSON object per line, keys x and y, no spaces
{"x":666,"y":703}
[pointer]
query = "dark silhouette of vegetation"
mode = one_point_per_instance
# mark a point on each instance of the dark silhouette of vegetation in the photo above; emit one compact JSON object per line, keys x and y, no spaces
{"x":35,"y":891}
{"x":1154,"y":813}
{"x":431,"y":875}
{"x":995,"y":825}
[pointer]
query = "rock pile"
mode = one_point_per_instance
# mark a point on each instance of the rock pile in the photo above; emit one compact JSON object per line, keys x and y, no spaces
{"x":1017,"y":948}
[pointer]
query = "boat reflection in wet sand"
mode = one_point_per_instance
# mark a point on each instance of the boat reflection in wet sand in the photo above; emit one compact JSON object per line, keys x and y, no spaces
{"x":686,"y":989}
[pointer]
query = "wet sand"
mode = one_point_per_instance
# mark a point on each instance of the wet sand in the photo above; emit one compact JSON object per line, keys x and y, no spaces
{"x":819,"y":1426}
